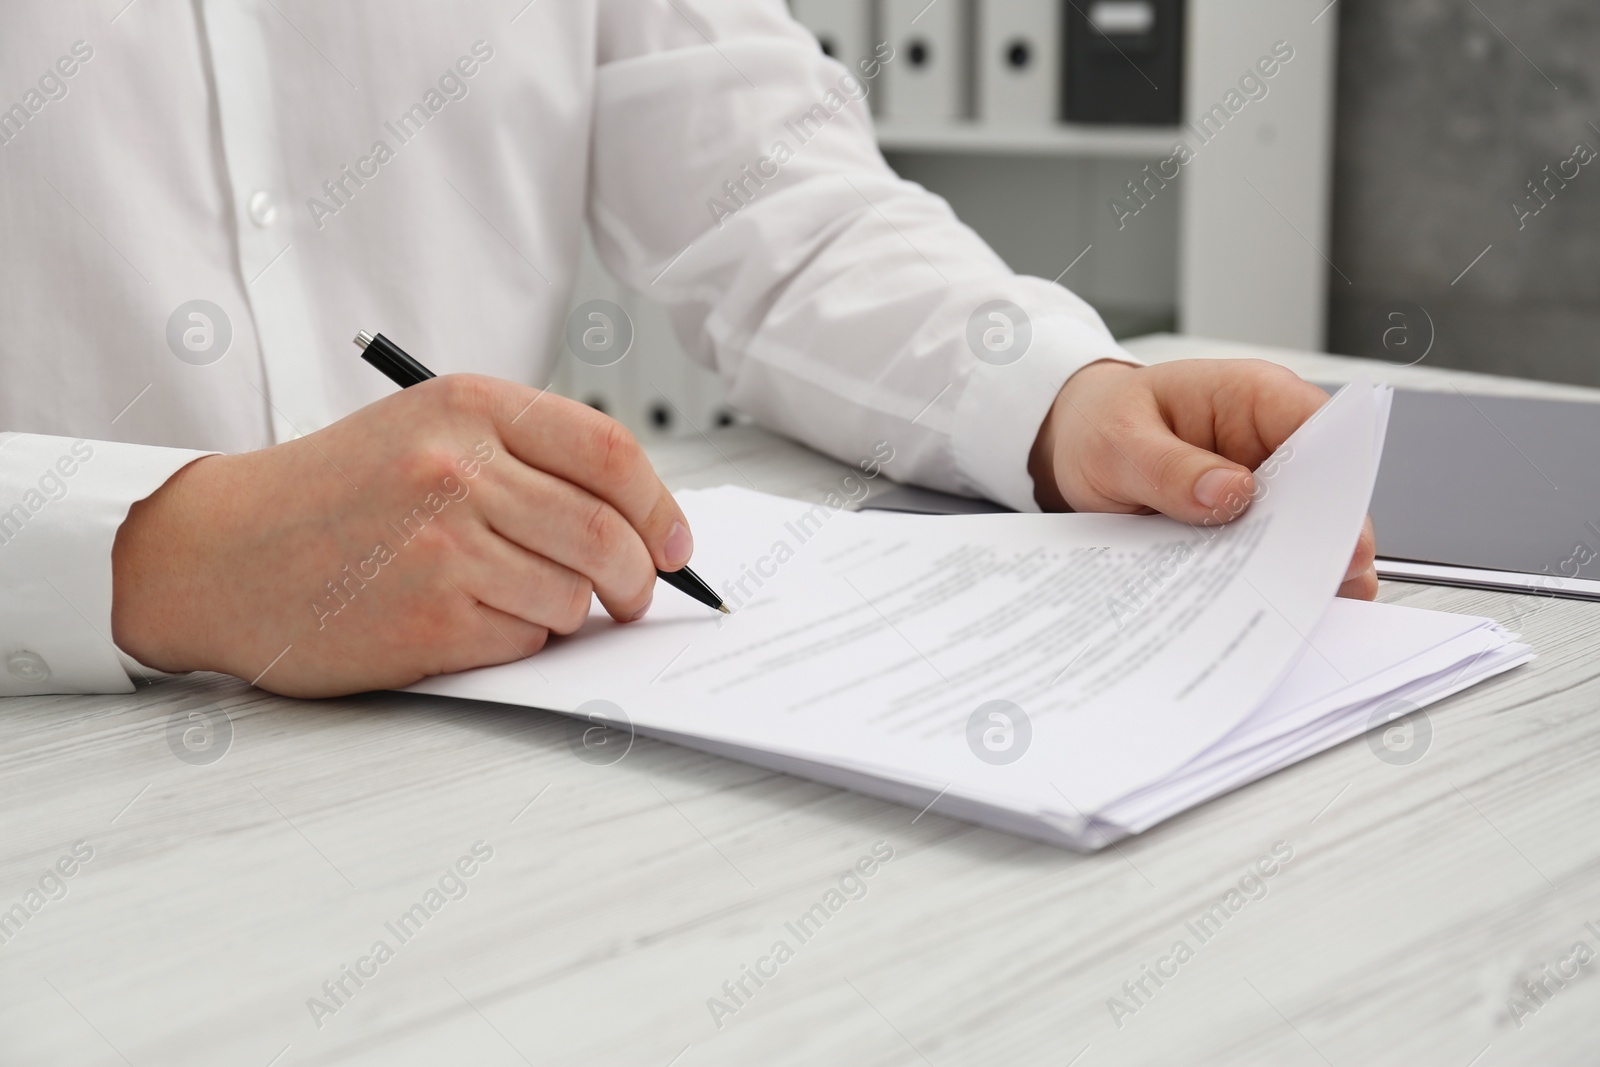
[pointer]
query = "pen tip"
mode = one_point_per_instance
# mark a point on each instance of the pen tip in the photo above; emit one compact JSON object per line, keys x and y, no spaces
{"x":724,"y":609}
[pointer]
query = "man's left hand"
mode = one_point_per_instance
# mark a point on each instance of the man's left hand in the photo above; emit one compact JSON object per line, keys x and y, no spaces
{"x":1180,"y":438}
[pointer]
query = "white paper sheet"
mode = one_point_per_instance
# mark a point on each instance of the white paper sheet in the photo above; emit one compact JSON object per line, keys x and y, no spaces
{"x":1152,"y":662}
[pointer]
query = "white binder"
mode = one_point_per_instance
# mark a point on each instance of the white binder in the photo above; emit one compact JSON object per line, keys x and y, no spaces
{"x":654,"y":388}
{"x":1019,"y":49}
{"x":928,"y":80}
{"x":842,"y":27}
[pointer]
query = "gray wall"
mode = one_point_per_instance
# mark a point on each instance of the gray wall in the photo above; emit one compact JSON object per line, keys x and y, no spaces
{"x":1442,"y":121}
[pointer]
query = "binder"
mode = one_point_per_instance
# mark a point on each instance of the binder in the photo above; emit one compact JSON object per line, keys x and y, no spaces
{"x":1124,"y":62}
{"x":1019,"y":62}
{"x":656,"y":390}
{"x":928,"y":80}
{"x":843,"y":28}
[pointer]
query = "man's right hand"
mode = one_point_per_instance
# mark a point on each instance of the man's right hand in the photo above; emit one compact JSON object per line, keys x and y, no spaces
{"x":455,"y":524}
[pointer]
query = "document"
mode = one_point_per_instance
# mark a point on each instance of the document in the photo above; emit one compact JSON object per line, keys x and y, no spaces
{"x":1074,"y":678}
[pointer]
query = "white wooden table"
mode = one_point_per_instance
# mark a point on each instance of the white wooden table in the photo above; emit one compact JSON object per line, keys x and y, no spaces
{"x":618,"y":899}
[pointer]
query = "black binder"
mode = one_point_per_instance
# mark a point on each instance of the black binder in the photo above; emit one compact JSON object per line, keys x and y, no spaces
{"x":1124,"y":62}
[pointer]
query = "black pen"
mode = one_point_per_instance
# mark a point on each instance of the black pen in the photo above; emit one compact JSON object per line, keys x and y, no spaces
{"x":404,"y":371}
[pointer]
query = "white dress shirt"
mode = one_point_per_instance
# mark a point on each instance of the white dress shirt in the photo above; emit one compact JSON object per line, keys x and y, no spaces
{"x":311,"y":169}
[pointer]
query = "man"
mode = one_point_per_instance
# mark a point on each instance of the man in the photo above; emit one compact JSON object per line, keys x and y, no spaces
{"x":204,"y":201}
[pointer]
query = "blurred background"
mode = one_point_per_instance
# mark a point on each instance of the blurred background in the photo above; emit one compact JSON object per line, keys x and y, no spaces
{"x":1407,"y":180}
{"x":1447,"y":110}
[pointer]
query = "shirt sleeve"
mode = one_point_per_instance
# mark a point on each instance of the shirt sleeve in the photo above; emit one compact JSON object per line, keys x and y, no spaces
{"x":61,"y":504}
{"x":736,"y":178}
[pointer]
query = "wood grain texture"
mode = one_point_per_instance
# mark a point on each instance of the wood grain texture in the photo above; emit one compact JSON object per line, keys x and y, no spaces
{"x":620,"y":898}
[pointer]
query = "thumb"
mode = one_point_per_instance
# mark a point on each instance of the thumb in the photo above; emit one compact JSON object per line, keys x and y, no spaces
{"x":1188,"y":483}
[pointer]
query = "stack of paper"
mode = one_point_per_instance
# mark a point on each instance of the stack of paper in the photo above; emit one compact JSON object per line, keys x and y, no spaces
{"x":1074,"y":678}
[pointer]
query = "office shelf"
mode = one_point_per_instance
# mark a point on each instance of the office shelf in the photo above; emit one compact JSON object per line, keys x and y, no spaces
{"x":1237,"y":241}
{"x":1107,"y":142}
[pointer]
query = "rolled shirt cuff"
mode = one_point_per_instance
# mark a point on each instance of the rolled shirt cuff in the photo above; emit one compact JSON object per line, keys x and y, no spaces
{"x":62,"y":501}
{"x":1005,"y":404}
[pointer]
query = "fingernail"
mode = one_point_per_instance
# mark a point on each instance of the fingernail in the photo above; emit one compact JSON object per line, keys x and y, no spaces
{"x":1212,"y":484}
{"x":679,"y":546}
{"x":641,"y":612}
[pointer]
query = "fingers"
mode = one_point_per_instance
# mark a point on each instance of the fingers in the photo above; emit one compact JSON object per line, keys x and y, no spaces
{"x":551,"y":518}
{"x":1363,"y":587}
{"x":491,"y":637}
{"x":1242,"y":409}
{"x":510,"y":579}
{"x":1202,"y":427}
{"x":579,"y":445}
{"x":1366,"y":552}
{"x":1160,"y":471}
{"x":1282,"y":402}
{"x":1361,"y":579}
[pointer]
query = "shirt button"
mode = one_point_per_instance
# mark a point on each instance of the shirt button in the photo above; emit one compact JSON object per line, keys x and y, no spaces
{"x":27,"y":666}
{"x":263,"y":210}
